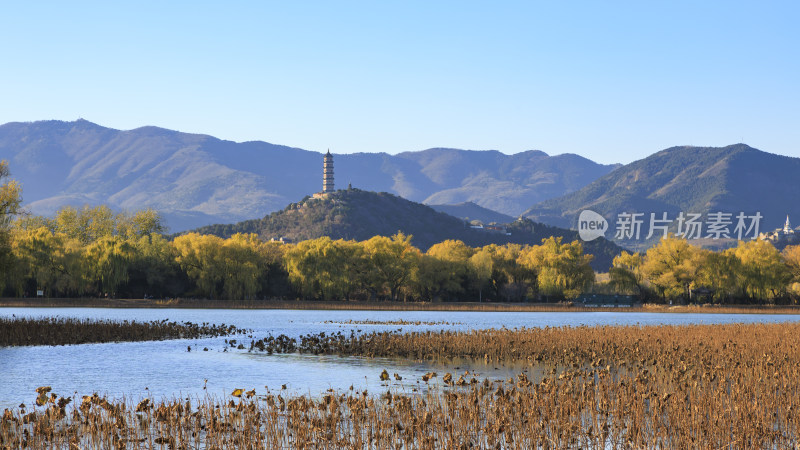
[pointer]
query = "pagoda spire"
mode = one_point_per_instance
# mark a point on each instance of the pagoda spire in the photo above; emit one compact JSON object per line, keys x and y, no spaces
{"x":327,"y":173}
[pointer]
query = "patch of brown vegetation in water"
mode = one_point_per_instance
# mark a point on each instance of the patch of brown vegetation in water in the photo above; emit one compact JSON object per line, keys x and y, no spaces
{"x":692,"y":386}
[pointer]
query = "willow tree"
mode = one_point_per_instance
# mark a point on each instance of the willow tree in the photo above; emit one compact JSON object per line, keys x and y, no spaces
{"x":562,"y":269}
{"x":154,"y":270}
{"x":393,"y":262}
{"x":499,"y":268}
{"x":763,"y":273}
{"x":51,"y":261}
{"x":109,"y":259}
{"x":444,"y":270}
{"x":139,"y":223}
{"x":10,"y":198}
{"x":720,"y":272}
{"x":481,"y":266}
{"x":244,"y":266}
{"x":199,"y":257}
{"x":322,"y":268}
{"x":626,"y":273}
{"x":671,"y":267}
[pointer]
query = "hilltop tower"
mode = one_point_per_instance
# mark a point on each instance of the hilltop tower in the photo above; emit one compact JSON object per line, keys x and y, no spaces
{"x":787,"y":227}
{"x":327,"y":173}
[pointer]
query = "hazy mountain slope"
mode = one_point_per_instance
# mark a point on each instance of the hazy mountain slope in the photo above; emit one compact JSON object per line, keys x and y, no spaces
{"x":730,"y":179}
{"x":504,"y":183}
{"x":471,"y":211}
{"x":177,"y":173}
{"x":360,"y":215}
{"x":197,"y":179}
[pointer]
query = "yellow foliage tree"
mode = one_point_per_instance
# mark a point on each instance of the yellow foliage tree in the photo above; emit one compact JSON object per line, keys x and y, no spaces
{"x":52,"y":261}
{"x":10,"y":198}
{"x":763,"y":273}
{"x":562,"y":270}
{"x":109,"y":259}
{"x":671,"y":267}
{"x":393,"y":263}
{"x":199,"y":257}
{"x":445,"y":269}
{"x":626,"y":273}
{"x":323,"y":268}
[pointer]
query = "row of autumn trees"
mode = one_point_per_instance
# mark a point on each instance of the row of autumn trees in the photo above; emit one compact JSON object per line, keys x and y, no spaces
{"x":752,"y":272}
{"x":94,"y":252}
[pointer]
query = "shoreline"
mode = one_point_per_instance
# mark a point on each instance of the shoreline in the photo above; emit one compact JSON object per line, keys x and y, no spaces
{"x":384,"y":306}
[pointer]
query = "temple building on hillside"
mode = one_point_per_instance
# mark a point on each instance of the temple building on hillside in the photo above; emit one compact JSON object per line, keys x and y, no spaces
{"x":327,"y":173}
{"x":781,"y":237}
{"x":787,"y":227}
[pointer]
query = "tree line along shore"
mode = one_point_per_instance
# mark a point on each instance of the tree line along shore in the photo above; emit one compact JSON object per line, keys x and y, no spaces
{"x":93,"y":252}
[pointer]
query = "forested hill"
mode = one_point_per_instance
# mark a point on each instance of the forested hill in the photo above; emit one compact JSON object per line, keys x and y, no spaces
{"x":360,"y":215}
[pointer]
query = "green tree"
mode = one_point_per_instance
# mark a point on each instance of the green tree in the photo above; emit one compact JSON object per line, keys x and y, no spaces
{"x":87,"y":225}
{"x":243,"y":265}
{"x":791,"y":256}
{"x":718,"y":271}
{"x":437,"y":279}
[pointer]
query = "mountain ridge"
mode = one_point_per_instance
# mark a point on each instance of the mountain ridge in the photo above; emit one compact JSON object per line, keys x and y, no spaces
{"x":731,"y":179}
{"x":196,"y":179}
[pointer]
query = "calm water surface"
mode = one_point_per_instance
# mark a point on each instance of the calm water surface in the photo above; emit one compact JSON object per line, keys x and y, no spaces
{"x":165,"y":369}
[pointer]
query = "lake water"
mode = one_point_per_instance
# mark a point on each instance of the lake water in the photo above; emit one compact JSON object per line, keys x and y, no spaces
{"x":165,"y":369}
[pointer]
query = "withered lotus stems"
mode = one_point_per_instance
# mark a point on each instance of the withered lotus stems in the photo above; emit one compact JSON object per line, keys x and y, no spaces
{"x":732,"y":386}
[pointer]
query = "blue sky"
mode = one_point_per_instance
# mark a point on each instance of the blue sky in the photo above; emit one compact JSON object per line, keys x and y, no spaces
{"x":612,"y":81}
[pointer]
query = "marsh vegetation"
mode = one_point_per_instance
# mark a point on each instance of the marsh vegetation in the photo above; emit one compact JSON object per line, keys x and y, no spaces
{"x":17,"y":331}
{"x":591,"y":387}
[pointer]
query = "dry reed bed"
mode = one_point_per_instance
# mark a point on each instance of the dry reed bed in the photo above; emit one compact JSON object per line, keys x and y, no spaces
{"x":711,"y":386}
{"x":16,"y":331}
{"x":561,"y":346}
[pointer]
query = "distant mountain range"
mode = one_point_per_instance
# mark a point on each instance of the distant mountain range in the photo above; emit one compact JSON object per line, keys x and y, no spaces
{"x":731,"y":179}
{"x":360,"y":215}
{"x":197,"y":179}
